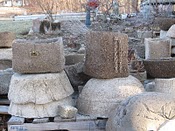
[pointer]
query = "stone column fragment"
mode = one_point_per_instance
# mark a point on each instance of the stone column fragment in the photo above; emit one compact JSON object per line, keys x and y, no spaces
{"x":106,"y":55}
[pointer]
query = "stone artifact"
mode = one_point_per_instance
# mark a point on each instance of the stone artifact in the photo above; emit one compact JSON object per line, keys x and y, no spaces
{"x":5,"y":58}
{"x":99,"y":96}
{"x":5,"y":77}
{"x":38,"y":56}
{"x":6,"y":39}
{"x":165,"y":85}
{"x":163,"y":68}
{"x":142,"y":112}
{"x":106,"y":55}
{"x":67,"y":111}
{"x":171,"y":32}
{"x":31,"y":110}
{"x":39,"y":88}
{"x":157,"y":48}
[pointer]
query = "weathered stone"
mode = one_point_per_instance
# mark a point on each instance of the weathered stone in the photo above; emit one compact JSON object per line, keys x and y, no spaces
{"x":163,"y":34}
{"x":4,"y":64}
{"x":164,"y":68}
{"x":141,"y":76}
{"x":157,"y":48}
{"x":106,"y":55}
{"x":144,"y":34}
{"x":38,"y":56}
{"x":150,"y":87}
{"x":5,"y":77}
{"x":173,"y":50}
{"x":6,"y":54}
{"x":76,"y":75}
{"x":165,"y":85}
{"x":171,"y":32}
{"x":67,"y":111}
{"x":143,"y":112}
{"x":31,"y":110}
{"x":99,"y":96}
{"x":74,"y":58}
{"x":6,"y":39}
{"x":39,"y":88}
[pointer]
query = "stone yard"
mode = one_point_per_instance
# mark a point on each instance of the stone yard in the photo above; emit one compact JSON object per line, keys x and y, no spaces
{"x":113,"y":76}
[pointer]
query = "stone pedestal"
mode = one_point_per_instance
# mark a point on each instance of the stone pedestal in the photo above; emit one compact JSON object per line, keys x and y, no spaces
{"x":38,"y":56}
{"x":157,"y":48}
{"x":106,"y":55}
{"x":39,"y":88}
{"x":99,"y":96}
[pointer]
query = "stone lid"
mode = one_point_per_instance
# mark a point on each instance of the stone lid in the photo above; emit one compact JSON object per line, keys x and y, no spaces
{"x":171,"y":31}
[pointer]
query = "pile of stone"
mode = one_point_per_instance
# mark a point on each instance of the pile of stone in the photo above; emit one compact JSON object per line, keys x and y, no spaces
{"x":39,"y":85}
{"x":6,"y":39}
{"x":107,"y":62}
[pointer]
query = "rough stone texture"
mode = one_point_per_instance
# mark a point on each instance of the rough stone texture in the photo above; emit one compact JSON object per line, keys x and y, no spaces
{"x":143,"y":112}
{"x":74,"y":58}
{"x":39,"y":88}
{"x":5,"y":77}
{"x":38,"y":56}
{"x":163,"y":34}
{"x":67,"y":111}
{"x":6,"y":54}
{"x":106,"y":55}
{"x":160,"y":68}
{"x":141,"y":76}
{"x":31,"y":110}
{"x":171,"y":32}
{"x":164,"y":23}
{"x":76,"y":75}
{"x":6,"y":39}
{"x":99,"y":96}
{"x":157,"y":48}
{"x":4,"y":64}
{"x":165,"y":85}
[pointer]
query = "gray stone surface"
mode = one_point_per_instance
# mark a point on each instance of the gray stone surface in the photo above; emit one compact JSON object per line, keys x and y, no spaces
{"x":76,"y":75}
{"x":165,"y":85}
{"x":6,"y":39}
{"x":5,"y":77}
{"x":38,"y":56}
{"x":156,"y":48}
{"x":141,"y":76}
{"x":4,"y":64}
{"x":106,"y":55}
{"x":150,"y":87}
{"x":6,"y":54}
{"x":39,"y":88}
{"x":99,"y":96}
{"x":67,"y":111}
{"x":163,"y":34}
{"x":31,"y":110}
{"x":164,"y":68}
{"x":143,"y":112}
{"x":171,"y":32}
{"x":74,"y":58}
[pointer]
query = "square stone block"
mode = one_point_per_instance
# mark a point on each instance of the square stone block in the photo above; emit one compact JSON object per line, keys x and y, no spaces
{"x":38,"y":56}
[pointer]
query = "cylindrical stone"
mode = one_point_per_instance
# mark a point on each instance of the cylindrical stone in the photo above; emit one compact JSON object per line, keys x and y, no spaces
{"x":99,"y":96}
{"x":38,"y":56}
{"x":6,"y":39}
{"x":39,"y":88}
{"x":106,"y":55}
{"x":157,"y":48}
{"x":165,"y":85}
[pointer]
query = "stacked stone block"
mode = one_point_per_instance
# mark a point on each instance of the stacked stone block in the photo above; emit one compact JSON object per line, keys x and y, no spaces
{"x":40,"y":84}
{"x":107,"y":62}
{"x":6,"y":39}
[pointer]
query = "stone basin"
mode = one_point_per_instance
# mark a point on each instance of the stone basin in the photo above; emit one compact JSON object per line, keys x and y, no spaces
{"x":162,"y":68}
